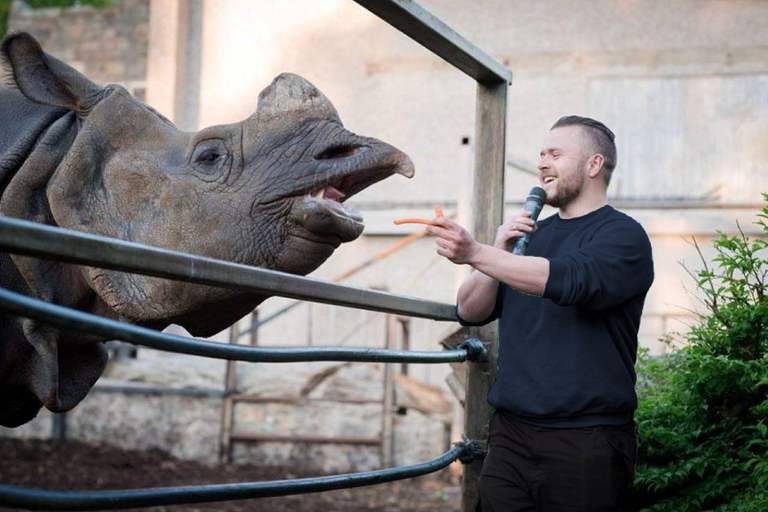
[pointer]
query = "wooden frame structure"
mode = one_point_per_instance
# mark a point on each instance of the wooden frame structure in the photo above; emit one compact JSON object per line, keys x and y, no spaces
{"x":493,"y":80}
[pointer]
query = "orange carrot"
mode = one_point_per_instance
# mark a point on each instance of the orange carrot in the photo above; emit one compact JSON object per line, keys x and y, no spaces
{"x":413,"y":221}
{"x":410,"y":220}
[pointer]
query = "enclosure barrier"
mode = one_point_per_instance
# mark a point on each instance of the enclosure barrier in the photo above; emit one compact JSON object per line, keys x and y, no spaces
{"x":471,"y":349}
{"x":19,"y":237}
{"x":39,"y":499}
{"x":32,"y":239}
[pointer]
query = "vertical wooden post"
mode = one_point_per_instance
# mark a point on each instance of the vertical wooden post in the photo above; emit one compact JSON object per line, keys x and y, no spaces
{"x":405,"y":340}
{"x":388,"y":420}
{"x":227,"y":413}
{"x":487,"y":215}
{"x":254,"y":339}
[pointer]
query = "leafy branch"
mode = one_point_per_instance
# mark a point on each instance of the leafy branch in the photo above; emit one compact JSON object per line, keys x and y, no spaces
{"x":703,"y":413}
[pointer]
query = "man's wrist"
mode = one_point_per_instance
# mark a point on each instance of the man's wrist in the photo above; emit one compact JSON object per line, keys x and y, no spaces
{"x":475,"y":254}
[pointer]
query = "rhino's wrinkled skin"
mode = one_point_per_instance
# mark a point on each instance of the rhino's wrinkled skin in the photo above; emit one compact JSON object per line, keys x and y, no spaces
{"x":95,"y":159}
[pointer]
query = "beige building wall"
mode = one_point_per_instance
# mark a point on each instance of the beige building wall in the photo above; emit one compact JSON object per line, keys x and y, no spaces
{"x":684,"y":85}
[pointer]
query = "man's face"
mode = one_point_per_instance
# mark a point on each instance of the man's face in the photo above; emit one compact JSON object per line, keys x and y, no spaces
{"x":562,"y":168}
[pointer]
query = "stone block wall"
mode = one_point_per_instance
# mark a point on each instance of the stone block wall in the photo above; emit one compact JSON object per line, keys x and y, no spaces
{"x":109,"y":45}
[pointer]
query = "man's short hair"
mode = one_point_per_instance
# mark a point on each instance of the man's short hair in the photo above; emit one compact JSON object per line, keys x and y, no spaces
{"x":600,"y":138}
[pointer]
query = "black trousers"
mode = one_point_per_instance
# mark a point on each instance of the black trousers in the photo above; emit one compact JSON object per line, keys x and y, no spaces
{"x":530,"y":468}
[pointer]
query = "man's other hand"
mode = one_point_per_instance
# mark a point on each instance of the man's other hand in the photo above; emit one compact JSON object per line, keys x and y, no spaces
{"x":514,"y":228}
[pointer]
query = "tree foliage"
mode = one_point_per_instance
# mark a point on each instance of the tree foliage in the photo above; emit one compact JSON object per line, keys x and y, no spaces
{"x":703,"y":413}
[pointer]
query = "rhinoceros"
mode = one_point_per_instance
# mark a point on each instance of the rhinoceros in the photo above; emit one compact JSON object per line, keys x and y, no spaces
{"x":267,"y":191}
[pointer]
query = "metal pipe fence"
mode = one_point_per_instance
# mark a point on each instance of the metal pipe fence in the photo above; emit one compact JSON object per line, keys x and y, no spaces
{"x":67,"y":318}
{"x":33,"y":239}
{"x":40,"y":499}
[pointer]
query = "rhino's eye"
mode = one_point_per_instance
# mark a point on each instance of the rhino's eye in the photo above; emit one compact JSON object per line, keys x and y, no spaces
{"x":208,"y":157}
{"x":211,"y":160}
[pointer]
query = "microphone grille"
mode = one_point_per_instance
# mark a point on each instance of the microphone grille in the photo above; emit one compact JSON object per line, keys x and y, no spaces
{"x":537,"y":193}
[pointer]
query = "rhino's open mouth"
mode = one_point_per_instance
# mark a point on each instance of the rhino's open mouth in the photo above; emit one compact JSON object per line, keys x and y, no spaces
{"x":322,"y":209}
{"x":333,"y":199}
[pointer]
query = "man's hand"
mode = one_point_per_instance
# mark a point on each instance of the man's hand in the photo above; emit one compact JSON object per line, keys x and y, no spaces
{"x":513,"y":229}
{"x":453,"y":241}
{"x":477,"y":295}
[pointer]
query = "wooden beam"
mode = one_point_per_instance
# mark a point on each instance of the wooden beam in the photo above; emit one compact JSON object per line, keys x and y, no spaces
{"x":301,"y":401}
{"x":388,"y":407}
{"x":457,"y":387}
{"x":487,"y":214}
{"x":426,"y":29}
{"x":265,"y":438}
{"x":228,"y":407}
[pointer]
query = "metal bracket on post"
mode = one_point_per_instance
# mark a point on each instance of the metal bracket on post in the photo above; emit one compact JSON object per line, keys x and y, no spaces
{"x":476,"y":351}
{"x":473,"y":450}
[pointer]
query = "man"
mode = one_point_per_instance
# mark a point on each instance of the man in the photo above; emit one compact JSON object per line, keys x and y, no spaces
{"x":562,"y":437}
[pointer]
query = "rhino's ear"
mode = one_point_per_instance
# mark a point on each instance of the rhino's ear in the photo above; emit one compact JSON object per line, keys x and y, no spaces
{"x":45,"y":79}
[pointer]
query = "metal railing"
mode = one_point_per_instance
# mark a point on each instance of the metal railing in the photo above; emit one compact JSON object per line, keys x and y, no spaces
{"x":72,"y":319}
{"x":33,"y":239}
{"x":40,"y":499}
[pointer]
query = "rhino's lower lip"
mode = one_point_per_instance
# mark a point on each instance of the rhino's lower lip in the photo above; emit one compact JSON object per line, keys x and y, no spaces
{"x":333,"y":207}
{"x":336,"y":208}
{"x":327,"y":221}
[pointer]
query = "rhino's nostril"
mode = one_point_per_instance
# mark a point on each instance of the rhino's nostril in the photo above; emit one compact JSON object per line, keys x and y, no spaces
{"x":341,"y":151}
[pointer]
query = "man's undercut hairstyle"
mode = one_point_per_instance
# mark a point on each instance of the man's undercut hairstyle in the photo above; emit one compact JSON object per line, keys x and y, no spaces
{"x":600,"y":138}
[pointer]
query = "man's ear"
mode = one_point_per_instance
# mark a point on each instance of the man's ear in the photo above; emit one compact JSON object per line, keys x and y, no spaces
{"x":596,"y":162}
{"x":45,"y":79}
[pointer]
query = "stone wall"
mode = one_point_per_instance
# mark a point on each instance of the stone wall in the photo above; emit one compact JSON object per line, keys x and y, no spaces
{"x":109,"y":45}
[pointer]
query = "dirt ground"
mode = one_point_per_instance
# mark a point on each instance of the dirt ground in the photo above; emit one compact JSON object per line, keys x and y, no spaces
{"x":77,"y":466}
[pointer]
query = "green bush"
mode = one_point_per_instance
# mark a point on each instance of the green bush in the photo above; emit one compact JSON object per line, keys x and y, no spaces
{"x":703,"y":413}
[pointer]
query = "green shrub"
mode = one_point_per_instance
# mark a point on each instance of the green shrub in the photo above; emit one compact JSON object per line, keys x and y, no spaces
{"x":703,"y":413}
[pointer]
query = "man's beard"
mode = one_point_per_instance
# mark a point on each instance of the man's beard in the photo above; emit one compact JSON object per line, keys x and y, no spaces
{"x":567,"y":189}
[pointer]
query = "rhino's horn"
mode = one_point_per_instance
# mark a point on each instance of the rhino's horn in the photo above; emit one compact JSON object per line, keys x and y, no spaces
{"x":289,"y":93}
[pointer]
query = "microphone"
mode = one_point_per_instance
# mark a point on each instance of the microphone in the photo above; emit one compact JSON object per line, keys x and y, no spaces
{"x":533,"y":203}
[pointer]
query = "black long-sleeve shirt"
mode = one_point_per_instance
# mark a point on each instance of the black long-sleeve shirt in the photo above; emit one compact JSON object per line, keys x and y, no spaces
{"x":567,"y":359}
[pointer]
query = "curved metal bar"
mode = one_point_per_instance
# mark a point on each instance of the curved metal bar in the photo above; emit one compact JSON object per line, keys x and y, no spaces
{"x":41,"y":241}
{"x":39,"y":499}
{"x":68,"y":318}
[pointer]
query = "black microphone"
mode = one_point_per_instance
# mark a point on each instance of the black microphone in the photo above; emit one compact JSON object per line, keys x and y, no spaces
{"x":533,"y":203}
